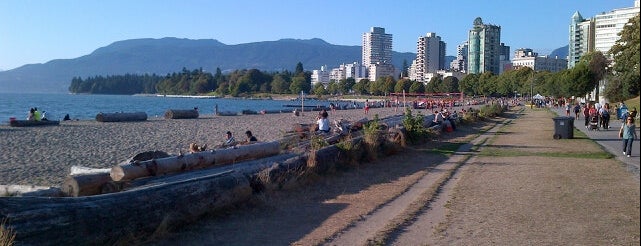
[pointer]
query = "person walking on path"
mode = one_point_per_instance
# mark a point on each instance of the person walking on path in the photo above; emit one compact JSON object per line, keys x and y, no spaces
{"x":586,"y":114}
{"x":628,"y":134}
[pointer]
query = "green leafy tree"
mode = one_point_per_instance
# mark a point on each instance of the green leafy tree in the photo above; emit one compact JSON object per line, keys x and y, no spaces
{"x":361,"y":87}
{"x":579,"y":80}
{"x":487,"y":84}
{"x":417,"y":87}
{"x":468,"y":85}
{"x":299,"y":84}
{"x":596,"y":66}
{"x":402,"y":84}
{"x":624,"y":83}
{"x":346,"y":85}
{"x":319,"y":90}
{"x":450,"y":84}
{"x":280,"y":84}
{"x":299,"y":69}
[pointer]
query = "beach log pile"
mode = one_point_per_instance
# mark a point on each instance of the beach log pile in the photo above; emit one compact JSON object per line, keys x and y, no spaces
{"x":193,"y":161}
{"x":145,"y":204}
{"x":121,"y":117}
{"x":181,"y":114}
{"x":100,"y":220}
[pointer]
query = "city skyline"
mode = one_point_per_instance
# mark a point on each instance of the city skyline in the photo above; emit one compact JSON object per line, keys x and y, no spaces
{"x":30,"y":32}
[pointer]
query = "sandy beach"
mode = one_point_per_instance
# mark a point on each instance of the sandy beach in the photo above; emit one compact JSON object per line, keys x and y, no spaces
{"x":43,"y":156}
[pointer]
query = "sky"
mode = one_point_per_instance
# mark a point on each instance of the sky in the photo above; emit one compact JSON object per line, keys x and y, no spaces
{"x":38,"y":31}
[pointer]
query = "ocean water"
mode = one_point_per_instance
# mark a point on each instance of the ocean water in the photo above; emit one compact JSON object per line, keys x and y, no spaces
{"x":85,"y":106}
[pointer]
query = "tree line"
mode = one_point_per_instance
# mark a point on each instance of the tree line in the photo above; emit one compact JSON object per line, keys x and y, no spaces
{"x":621,"y":72}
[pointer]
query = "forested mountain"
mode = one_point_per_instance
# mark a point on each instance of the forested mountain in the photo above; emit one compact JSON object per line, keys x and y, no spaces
{"x":561,"y":53}
{"x":168,"y":55}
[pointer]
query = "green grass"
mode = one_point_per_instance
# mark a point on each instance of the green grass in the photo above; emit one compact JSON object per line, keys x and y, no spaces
{"x":512,"y":153}
{"x":634,"y":102}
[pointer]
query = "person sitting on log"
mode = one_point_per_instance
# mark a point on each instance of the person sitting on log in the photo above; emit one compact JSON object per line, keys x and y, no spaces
{"x":193,"y":148}
{"x":250,"y":138}
{"x":229,"y":141}
{"x":323,"y":122}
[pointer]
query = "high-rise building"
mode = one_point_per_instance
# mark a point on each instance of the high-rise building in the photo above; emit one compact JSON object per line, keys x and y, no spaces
{"x":608,"y":25}
{"x":599,"y":33}
{"x":430,"y":56}
{"x":484,"y":48}
{"x":377,"y":53}
{"x":460,"y":63}
{"x":581,"y":38}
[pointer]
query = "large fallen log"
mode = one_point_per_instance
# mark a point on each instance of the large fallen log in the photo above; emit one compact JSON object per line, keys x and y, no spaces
{"x":111,"y":218}
{"x":247,"y":168}
{"x":23,"y":123}
{"x":181,"y":114}
{"x":121,"y":117}
{"x":193,"y":161}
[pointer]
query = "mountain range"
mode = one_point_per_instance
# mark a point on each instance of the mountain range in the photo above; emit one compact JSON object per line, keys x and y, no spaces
{"x":168,"y":55}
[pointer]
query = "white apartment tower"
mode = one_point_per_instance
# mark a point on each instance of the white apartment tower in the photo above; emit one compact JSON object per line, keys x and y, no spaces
{"x":599,"y":33}
{"x":320,"y":76}
{"x":608,"y":25}
{"x":377,"y":53}
{"x":430,"y":56}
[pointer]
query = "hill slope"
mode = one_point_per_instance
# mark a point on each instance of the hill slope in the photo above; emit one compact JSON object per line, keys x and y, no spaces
{"x":167,"y":55}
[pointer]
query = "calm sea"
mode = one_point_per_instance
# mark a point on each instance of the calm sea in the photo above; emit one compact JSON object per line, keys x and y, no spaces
{"x":85,"y":107}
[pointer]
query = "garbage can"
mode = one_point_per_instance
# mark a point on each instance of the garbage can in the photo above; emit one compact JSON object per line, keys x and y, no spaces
{"x":563,"y":127}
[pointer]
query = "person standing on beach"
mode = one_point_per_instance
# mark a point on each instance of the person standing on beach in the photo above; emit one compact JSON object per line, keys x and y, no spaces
{"x":628,"y":134}
{"x":366,"y":106}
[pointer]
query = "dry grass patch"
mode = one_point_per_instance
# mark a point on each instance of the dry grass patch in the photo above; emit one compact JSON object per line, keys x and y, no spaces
{"x":538,"y":200}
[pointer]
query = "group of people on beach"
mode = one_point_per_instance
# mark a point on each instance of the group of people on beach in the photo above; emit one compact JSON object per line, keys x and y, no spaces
{"x":35,"y":115}
{"x":229,"y":142}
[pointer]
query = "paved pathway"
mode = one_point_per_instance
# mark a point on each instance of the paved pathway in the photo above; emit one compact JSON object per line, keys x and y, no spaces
{"x":609,"y":139}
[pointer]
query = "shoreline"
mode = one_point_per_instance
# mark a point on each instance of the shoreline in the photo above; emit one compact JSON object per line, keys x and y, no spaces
{"x":43,"y":156}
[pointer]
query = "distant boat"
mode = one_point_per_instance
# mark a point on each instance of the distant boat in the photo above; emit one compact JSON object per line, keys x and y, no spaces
{"x":25,"y":123}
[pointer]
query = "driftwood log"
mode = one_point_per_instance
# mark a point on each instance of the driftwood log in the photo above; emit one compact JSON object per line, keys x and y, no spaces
{"x":248,"y":168}
{"x":29,"y":190}
{"x":181,"y":114}
{"x":121,"y":117}
{"x":193,"y":161}
{"x":85,"y":184}
{"x":109,"y":219}
{"x":24,"y":123}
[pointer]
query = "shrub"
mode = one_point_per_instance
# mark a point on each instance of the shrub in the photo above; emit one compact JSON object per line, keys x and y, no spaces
{"x":373,"y":135}
{"x":414,"y":127}
{"x":491,"y":110}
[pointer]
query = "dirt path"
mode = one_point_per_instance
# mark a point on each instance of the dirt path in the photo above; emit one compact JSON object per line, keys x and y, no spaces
{"x":522,"y":187}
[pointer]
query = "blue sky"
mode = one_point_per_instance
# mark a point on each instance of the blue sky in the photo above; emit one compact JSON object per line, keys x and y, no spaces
{"x":37,"y":31}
